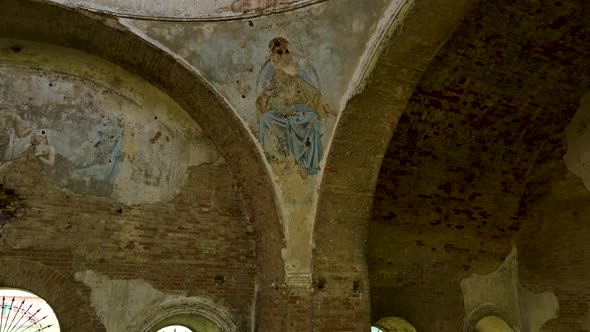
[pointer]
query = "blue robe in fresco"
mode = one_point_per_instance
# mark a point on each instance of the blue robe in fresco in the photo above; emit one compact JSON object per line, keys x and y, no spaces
{"x":289,"y":121}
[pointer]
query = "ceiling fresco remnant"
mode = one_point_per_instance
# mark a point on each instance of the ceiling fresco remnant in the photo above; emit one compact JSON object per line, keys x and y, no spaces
{"x":91,"y":140}
{"x":188,"y":9}
{"x":288,"y":76}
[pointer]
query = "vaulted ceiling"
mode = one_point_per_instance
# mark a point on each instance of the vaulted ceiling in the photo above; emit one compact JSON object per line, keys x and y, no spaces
{"x":444,"y":160}
{"x":488,"y":113}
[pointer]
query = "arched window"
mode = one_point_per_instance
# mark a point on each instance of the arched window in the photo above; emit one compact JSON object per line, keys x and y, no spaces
{"x":393,"y":324}
{"x":490,"y":318}
{"x":186,"y":315}
{"x":175,"y":328}
{"x":24,"y":311}
{"x":492,"y":324}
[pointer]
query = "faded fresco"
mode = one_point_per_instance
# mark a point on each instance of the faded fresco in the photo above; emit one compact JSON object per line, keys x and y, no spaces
{"x":187,"y":9}
{"x":290,"y":108}
{"x":91,"y":140}
{"x":288,"y":76}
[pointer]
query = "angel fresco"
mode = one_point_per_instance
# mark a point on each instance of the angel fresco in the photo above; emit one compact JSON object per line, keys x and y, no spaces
{"x":290,"y":109}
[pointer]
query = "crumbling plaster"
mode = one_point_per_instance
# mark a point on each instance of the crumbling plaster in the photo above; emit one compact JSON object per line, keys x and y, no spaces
{"x":107,"y":39}
{"x":233,"y":57}
{"x":129,"y":141}
{"x":129,"y":305}
{"x":501,"y":294}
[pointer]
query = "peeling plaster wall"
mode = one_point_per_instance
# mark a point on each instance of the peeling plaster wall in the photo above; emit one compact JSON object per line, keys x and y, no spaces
{"x":499,"y":288}
{"x":502,"y":289}
{"x":198,"y":242}
{"x":120,"y":303}
{"x":327,"y":41}
{"x":118,"y":137}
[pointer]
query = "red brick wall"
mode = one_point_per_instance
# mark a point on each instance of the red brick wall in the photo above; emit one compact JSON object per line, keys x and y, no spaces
{"x":179,"y":246}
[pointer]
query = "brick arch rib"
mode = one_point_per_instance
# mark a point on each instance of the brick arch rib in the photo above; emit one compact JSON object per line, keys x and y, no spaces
{"x":107,"y":38}
{"x":363,"y":133}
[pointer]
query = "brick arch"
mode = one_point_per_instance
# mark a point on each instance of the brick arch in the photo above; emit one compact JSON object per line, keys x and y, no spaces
{"x":212,"y":312}
{"x":345,"y":204}
{"x":107,"y":38}
{"x":361,"y":139}
{"x":486,"y":310}
{"x":61,"y":293}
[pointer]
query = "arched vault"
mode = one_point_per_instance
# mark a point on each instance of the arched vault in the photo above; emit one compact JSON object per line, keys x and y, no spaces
{"x":106,"y":38}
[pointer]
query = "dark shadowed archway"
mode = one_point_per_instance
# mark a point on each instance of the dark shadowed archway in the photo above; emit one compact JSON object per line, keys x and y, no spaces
{"x":352,"y":168}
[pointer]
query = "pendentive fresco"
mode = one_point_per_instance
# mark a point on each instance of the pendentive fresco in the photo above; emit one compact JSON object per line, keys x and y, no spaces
{"x":290,"y":110}
{"x":288,"y":77}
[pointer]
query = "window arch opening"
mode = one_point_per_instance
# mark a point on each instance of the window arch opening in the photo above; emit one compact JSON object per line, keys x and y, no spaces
{"x":175,"y":328}
{"x":492,"y":324}
{"x":490,"y":318}
{"x":393,"y":324}
{"x":185,"y":323}
{"x":23,"y":311}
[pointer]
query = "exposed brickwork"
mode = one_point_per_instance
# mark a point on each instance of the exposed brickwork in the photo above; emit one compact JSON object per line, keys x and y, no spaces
{"x":448,"y":201}
{"x":352,"y":167}
{"x":472,"y":140}
{"x":106,"y":38}
{"x":200,"y":243}
{"x":68,"y":299}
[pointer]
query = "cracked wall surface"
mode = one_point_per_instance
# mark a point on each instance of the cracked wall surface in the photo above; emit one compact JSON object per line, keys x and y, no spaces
{"x":121,"y":303}
{"x":481,"y":102}
{"x":197,"y":242}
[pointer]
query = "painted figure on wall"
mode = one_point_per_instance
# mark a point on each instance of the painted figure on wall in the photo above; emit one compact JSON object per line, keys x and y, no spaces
{"x":117,"y":155}
{"x":289,"y":109}
{"x":11,"y":125}
{"x":40,"y":148}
